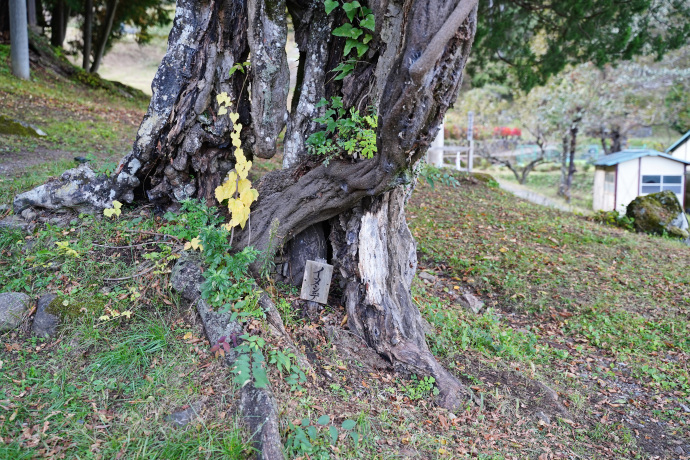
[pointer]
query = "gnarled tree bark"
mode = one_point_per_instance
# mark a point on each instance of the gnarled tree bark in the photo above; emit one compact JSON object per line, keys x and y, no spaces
{"x":410,"y":75}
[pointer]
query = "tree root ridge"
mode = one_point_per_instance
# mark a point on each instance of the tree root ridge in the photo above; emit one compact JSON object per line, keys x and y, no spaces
{"x":257,"y":405}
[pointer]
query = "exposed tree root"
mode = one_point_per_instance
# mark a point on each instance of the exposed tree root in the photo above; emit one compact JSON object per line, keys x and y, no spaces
{"x":257,"y":405}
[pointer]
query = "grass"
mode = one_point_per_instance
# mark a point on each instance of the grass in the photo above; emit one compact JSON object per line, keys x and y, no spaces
{"x":77,"y":119}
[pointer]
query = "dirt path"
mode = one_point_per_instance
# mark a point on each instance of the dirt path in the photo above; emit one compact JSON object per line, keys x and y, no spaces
{"x":537,"y":198}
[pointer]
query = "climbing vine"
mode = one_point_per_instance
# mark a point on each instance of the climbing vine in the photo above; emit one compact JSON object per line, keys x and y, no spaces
{"x":355,"y":33}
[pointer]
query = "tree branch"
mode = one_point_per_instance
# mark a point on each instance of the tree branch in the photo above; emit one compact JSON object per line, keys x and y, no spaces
{"x":434,"y":50}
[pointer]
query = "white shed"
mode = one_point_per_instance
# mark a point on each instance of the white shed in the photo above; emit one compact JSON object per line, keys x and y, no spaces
{"x":621,"y":177}
{"x":681,"y":148}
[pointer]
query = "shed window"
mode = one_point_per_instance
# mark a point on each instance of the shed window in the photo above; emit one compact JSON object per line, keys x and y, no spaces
{"x":653,"y":184}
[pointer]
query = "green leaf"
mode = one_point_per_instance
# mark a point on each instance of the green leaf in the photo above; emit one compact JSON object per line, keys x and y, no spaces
{"x":305,"y":422}
{"x":367,"y":38}
{"x":346,"y":30}
{"x":323,"y":420}
{"x":349,"y":424}
{"x":351,"y":43}
{"x":355,"y":438}
{"x":351,"y":9}
{"x":259,"y":374}
{"x":345,"y":69}
{"x":333,"y":431}
{"x":369,"y":22}
{"x":330,"y":5}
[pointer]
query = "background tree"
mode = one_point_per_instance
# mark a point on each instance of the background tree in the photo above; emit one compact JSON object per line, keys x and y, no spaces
{"x":401,"y":60}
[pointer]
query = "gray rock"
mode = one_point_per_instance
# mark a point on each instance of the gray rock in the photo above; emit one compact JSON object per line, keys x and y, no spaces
{"x":45,"y":324}
{"x":19,"y":128}
{"x":679,"y":450}
{"x":543,"y":417}
{"x":471,"y":302}
{"x":15,"y":223}
{"x":29,"y":214}
{"x":427,"y":276}
{"x":186,"y":277}
{"x":182,"y":418}
{"x":13,"y":306}
{"x":685,"y":408}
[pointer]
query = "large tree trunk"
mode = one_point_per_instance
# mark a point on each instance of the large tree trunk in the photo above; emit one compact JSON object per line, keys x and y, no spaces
{"x":411,"y":74}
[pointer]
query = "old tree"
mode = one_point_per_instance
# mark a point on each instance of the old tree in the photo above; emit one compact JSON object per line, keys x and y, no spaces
{"x":409,"y":73}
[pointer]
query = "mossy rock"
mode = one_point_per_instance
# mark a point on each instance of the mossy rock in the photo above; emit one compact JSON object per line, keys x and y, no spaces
{"x":18,"y":128}
{"x":483,"y":177}
{"x":659,"y":213}
{"x":73,"y":309}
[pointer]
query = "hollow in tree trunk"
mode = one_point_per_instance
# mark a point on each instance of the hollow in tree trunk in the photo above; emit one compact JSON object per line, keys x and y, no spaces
{"x":409,"y":75}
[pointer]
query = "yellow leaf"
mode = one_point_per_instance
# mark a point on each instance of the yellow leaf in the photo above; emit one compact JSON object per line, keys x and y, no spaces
{"x":237,"y":127}
{"x":243,"y":185}
{"x":196,"y":244}
{"x":222,"y":110}
{"x":103,"y":318}
{"x":234,"y":117}
{"x":126,"y":313}
{"x":243,"y":169}
{"x":248,"y":197}
{"x":237,"y":143}
{"x":227,"y":190}
{"x":114,"y":211}
{"x":187,"y":336}
{"x":224,"y":99}
{"x":503,"y":249}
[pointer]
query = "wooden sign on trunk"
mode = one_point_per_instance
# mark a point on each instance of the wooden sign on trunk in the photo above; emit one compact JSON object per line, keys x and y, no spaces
{"x":316,"y":281}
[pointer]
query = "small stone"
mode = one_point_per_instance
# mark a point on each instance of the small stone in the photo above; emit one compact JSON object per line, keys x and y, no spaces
{"x":29,"y":214}
{"x":45,"y":324}
{"x":427,"y":277}
{"x":543,"y":417}
{"x":471,"y":302}
{"x":679,"y":450}
{"x":685,"y":408}
{"x":13,"y":306}
{"x":182,"y":418}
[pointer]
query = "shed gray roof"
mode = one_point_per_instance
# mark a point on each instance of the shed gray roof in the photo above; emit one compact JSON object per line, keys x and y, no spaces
{"x":678,"y":143}
{"x":633,"y":154}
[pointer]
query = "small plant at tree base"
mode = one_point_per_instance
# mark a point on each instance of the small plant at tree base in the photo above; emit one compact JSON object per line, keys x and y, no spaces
{"x":346,"y":134}
{"x":250,"y":364}
{"x":312,"y":439}
{"x":418,"y":389}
